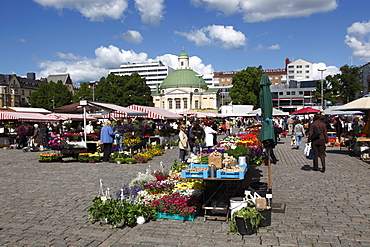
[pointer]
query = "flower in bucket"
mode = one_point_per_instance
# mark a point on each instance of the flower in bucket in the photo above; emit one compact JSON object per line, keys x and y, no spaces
{"x":95,"y":157}
{"x":160,"y":187}
{"x":175,"y":203}
{"x":49,"y":157}
{"x":83,"y":156}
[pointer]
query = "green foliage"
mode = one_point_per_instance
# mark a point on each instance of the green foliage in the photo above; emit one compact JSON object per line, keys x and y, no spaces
{"x":123,"y":90}
{"x":246,"y":213}
{"x":240,"y":150}
{"x":118,"y":213}
{"x":84,"y":93}
{"x":245,"y":90}
{"x":341,"y":87}
{"x":47,"y":92}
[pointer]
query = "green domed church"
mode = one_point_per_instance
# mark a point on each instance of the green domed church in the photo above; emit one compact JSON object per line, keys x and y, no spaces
{"x":184,"y":89}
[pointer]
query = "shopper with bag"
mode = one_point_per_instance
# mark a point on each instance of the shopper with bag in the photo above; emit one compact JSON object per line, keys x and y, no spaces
{"x":319,"y":137}
{"x":183,"y":143}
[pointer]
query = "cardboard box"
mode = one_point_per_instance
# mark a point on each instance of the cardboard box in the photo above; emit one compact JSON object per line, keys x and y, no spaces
{"x":216,"y":161}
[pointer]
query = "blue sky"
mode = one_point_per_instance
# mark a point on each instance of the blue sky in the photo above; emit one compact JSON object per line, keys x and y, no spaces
{"x":86,"y":38}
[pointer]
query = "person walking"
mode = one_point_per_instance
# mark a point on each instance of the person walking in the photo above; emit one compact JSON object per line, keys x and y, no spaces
{"x":197,"y":135}
{"x":318,"y":145}
{"x":22,"y":136}
{"x":183,"y":143}
{"x":290,"y":123}
{"x":37,"y":136}
{"x":299,"y":134}
{"x":45,"y":135}
{"x":106,"y":137}
{"x":209,"y":134}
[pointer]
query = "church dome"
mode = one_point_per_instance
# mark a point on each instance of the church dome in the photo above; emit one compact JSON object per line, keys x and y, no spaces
{"x":183,"y":78}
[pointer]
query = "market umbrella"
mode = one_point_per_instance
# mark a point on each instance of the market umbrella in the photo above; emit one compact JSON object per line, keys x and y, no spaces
{"x":361,"y":104}
{"x":306,"y":110}
{"x":267,"y":134}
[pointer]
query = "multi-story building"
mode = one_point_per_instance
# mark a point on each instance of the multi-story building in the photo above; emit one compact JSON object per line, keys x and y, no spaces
{"x":299,"y":70}
{"x":365,"y":82}
{"x":276,"y":76}
{"x":294,"y":95}
{"x":154,"y":72}
{"x":16,"y":91}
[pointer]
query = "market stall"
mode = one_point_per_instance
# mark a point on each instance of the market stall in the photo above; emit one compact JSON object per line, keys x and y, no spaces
{"x":155,"y":112}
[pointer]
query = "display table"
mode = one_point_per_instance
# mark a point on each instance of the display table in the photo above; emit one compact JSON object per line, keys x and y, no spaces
{"x":217,"y":205}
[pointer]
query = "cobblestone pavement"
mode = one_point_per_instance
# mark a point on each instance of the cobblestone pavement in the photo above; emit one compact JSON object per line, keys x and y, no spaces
{"x":44,"y":204}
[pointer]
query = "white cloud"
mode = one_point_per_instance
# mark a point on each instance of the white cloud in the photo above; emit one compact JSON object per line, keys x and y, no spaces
{"x":224,"y":36}
{"x":95,"y":10}
{"x":195,"y":63}
{"x":67,"y":56}
{"x":274,"y":47}
{"x":330,"y":70}
{"x":22,"y":40}
{"x":88,"y":69}
{"x":358,"y":40}
{"x":132,"y":36}
{"x":151,"y":10}
{"x":259,"y":10}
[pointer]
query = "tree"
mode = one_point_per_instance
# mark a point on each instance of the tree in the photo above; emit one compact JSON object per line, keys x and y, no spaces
{"x":344,"y":86}
{"x":84,"y":93}
{"x":124,"y":90}
{"x":245,"y":90}
{"x":51,"y":94}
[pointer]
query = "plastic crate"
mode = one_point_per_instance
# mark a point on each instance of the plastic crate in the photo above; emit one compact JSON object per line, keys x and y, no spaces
{"x":202,"y":174}
{"x":238,"y":175}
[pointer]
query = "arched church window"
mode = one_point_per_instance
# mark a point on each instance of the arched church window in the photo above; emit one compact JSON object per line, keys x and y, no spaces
{"x":169,"y":103}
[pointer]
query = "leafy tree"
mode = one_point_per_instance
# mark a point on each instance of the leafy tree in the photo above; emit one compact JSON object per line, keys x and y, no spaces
{"x":49,"y":93}
{"x":245,"y":90}
{"x":123,"y":90}
{"x":342,"y":87}
{"x":84,"y":93}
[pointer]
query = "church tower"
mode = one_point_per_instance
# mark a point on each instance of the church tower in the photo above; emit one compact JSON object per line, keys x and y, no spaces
{"x":183,"y":60}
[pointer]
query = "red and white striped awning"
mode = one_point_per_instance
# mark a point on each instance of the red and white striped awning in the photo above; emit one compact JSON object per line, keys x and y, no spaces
{"x":70,"y":116}
{"x":27,"y":117}
{"x":155,"y":112}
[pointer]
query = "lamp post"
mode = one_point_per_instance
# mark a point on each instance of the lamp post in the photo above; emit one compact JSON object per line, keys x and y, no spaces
{"x":200,"y":99}
{"x":322,"y":88}
{"x":92,"y":83}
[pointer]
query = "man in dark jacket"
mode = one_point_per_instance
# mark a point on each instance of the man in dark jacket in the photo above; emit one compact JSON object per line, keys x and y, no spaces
{"x":22,"y":136}
{"x":319,"y":145}
{"x":197,"y":135}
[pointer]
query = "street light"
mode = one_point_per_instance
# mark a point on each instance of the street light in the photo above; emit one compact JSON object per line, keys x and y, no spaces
{"x":322,"y":89}
{"x":200,"y":99}
{"x":93,"y":88}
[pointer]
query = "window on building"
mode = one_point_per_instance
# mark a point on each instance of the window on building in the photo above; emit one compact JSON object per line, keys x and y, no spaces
{"x":169,"y":103}
{"x":307,"y":66}
{"x":196,"y":104}
{"x":276,"y":77}
{"x":291,"y":77}
{"x":178,"y":103}
{"x":22,"y":92}
{"x":299,"y":72}
{"x":185,"y":103}
{"x":280,"y":93}
{"x":182,"y":63}
{"x":163,"y":105}
{"x":307,"y":71}
{"x":293,"y":92}
{"x":291,"y":71}
{"x":291,"y":67}
{"x":299,"y":66}
{"x":307,"y":77}
{"x":300,"y":92}
{"x":287,"y":93}
{"x":196,"y":90}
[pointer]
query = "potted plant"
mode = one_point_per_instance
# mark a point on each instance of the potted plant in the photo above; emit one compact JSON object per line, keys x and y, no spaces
{"x":83,"y":157}
{"x":94,"y":158}
{"x":130,"y":160}
{"x":245,"y":221}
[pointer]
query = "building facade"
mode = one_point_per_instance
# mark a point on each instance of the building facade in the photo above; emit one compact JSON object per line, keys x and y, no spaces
{"x":154,"y":72}
{"x":299,"y":70}
{"x":365,"y":82}
{"x":16,"y":91}
{"x":65,"y":79}
{"x":184,"y":89}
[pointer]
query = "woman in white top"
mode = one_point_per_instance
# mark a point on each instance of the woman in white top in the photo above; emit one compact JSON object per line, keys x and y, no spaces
{"x":209,"y":132}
